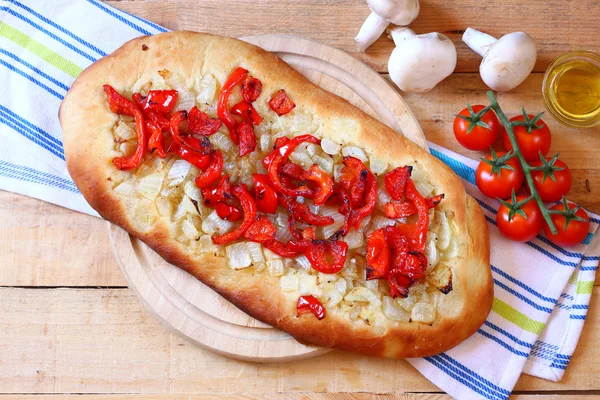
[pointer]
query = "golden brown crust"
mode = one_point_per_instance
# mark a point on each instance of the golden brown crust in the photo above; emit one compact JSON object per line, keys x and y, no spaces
{"x":87,"y":128}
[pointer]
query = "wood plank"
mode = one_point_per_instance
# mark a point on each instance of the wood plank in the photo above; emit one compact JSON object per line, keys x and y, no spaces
{"x":556,"y":26}
{"x":46,"y":245}
{"x":102,"y":341}
{"x":290,"y":396}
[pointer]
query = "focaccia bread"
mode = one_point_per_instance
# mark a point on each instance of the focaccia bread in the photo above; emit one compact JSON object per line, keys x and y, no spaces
{"x":159,"y":203}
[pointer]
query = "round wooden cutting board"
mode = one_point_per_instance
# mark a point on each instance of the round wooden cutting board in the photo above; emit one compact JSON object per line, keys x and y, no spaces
{"x":192,"y":309}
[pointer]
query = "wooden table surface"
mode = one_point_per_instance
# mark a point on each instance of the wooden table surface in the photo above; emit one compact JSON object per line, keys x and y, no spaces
{"x":70,"y":326}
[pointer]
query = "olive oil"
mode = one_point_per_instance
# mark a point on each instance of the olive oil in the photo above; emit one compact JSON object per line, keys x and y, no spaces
{"x":572,"y":89}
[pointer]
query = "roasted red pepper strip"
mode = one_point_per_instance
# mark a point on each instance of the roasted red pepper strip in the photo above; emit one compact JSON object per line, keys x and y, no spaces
{"x":281,"y":103}
{"x":280,"y":142}
{"x":251,"y":88}
{"x":281,"y":155}
{"x":281,"y":249}
{"x":346,"y":210}
{"x":246,"y":137}
{"x":193,"y":157}
{"x":378,"y":255}
{"x":152,"y":113}
{"x":310,"y":304}
{"x":212,"y":172}
{"x":219,"y":193}
{"x":189,"y":143}
{"x":324,"y":182}
{"x":163,"y":101}
{"x":247,"y":112}
{"x":318,"y":251}
{"x":155,"y":141}
{"x":399,"y":283}
{"x":261,"y":230}
{"x":301,"y":212}
{"x":407,"y":265}
{"x":422,"y":224}
{"x":395,"y":181}
{"x":293,"y":171}
{"x":353,"y":179}
{"x":228,"y":212}
{"x":201,"y":124}
{"x":395,"y":210}
{"x":249,"y":209}
{"x":369,"y":202}
{"x":120,"y":105}
{"x":222,"y":108}
{"x":264,"y":194}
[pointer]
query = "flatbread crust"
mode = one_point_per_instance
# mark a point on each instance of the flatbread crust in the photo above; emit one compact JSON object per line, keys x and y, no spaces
{"x":88,"y":139}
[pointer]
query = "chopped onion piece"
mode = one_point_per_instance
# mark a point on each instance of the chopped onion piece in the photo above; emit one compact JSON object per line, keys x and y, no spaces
{"x":356,"y":152}
{"x":301,"y":158}
{"x":192,"y":191}
{"x":341,"y":286}
{"x":383,"y":197}
{"x":283,"y":234}
{"x":325,"y":163}
{"x":189,"y":230}
{"x":127,"y":148}
{"x":338,"y":220}
{"x":394,"y":313}
{"x":265,"y":142}
{"x":185,"y":100}
{"x":149,"y":186}
{"x":289,"y":283}
{"x":307,"y":284}
{"x":372,"y":285}
{"x":330,"y":147}
{"x":443,"y":230}
{"x":256,"y":253}
{"x":334,"y":298}
{"x":214,"y":225}
{"x":355,"y":239}
{"x":424,"y":188}
{"x":205,"y":244}
{"x":303,"y":262}
{"x":186,"y":206}
{"x":363,"y":294}
{"x":126,"y":188}
{"x":275,"y":267}
{"x":431,"y":251}
{"x":269,"y":255}
{"x":178,"y":172}
{"x":423,"y":312}
{"x":337,"y":171}
{"x":238,"y":256}
{"x":379,"y":221}
{"x":377,"y":165}
{"x":406,"y":303}
{"x":222,"y":142}
{"x":124,"y":131}
{"x":312,"y":149}
{"x":207,"y":89}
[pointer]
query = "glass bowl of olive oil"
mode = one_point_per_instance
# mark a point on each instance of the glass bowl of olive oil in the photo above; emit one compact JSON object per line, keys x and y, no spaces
{"x":571,"y":89}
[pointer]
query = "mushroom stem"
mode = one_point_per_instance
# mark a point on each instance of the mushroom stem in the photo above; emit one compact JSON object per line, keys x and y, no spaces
{"x":400,"y":33}
{"x":478,"y":41}
{"x":371,"y":30}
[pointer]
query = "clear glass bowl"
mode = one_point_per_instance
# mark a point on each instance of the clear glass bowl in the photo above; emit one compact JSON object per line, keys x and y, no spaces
{"x":555,"y":99}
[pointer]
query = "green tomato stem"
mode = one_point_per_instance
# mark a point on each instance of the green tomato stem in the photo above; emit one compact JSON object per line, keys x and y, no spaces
{"x":517,"y":151}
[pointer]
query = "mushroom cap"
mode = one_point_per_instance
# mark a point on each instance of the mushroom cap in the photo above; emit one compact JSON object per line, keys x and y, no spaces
{"x":398,"y":12}
{"x":419,"y":63}
{"x":508,"y":62}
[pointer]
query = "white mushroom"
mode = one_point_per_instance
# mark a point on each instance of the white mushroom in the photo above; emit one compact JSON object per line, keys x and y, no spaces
{"x":384,"y":12}
{"x":419,"y":62}
{"x":507,"y":61}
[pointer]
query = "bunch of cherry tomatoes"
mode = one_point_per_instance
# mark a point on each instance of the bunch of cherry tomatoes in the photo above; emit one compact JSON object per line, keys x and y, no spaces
{"x":500,"y":175}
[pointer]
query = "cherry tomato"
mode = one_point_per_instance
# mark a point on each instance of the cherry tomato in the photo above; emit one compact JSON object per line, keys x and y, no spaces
{"x":572,"y":233}
{"x":552,"y":190}
{"x":494,"y":186}
{"x":530,"y":143}
{"x":480,"y":137}
{"x":520,"y":228}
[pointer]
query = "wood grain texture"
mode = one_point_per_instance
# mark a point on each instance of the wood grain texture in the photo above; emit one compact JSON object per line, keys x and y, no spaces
{"x":288,"y":396}
{"x":556,"y":26}
{"x":102,"y":341}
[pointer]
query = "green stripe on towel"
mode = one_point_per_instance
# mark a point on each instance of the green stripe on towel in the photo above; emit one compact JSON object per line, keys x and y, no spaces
{"x":516,"y":317}
{"x":39,"y":50}
{"x":585,"y":287}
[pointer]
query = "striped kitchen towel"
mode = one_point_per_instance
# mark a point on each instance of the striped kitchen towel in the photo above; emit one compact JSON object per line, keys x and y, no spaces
{"x":542,"y":291}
